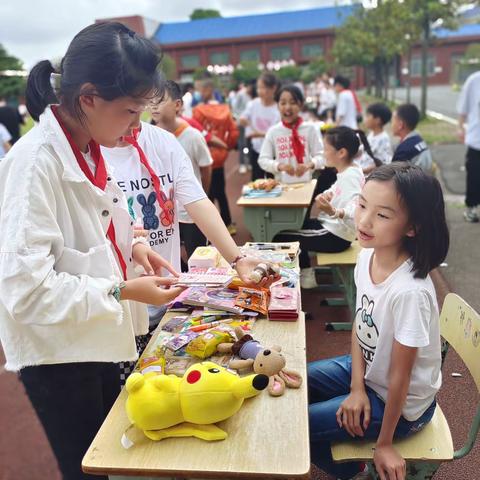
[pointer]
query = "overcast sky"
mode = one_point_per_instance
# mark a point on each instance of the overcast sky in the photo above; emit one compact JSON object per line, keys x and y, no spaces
{"x":34,"y":30}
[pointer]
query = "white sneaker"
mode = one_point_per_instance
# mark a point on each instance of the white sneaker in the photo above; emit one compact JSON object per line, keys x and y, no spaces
{"x":242,"y":169}
{"x":307,"y":278}
{"x":471,"y":215}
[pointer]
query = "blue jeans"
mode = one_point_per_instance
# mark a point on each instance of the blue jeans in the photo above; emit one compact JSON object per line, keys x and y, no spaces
{"x":329,"y":385}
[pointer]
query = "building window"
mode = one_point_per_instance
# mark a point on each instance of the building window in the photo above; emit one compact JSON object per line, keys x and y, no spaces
{"x":416,"y":66}
{"x":251,"y":55}
{"x":312,"y":50}
{"x":220,"y":58}
{"x":190,"y":61}
{"x":280,"y":53}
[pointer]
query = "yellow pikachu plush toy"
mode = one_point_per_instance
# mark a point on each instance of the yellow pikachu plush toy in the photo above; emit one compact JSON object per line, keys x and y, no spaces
{"x":166,"y":406}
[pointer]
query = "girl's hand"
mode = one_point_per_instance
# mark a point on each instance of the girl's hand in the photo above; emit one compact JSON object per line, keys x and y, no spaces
{"x":389,"y":463}
{"x":323,"y":200}
{"x":287,"y":168}
{"x":245,"y":267}
{"x":151,"y":290}
{"x":151,"y":261}
{"x":302,"y":168}
{"x":351,"y":410}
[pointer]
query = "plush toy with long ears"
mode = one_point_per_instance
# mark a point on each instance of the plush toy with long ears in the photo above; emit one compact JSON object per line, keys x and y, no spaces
{"x":267,"y":361}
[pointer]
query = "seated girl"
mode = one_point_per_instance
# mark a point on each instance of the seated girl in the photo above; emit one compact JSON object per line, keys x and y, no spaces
{"x":292,"y":148}
{"x":333,"y":230}
{"x":386,"y":387}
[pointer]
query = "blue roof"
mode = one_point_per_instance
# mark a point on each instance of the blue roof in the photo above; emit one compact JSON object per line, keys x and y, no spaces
{"x":252,"y":25}
{"x":463,"y":31}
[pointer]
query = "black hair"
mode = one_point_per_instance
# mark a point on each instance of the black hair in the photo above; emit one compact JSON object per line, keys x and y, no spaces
{"x":110,"y":56}
{"x":173,"y":90}
{"x":293,"y":90}
{"x":409,"y":114}
{"x":269,"y":79}
{"x":381,"y":111}
{"x":349,"y":139}
{"x":186,"y":87}
{"x":341,"y":80}
{"x":422,"y":196}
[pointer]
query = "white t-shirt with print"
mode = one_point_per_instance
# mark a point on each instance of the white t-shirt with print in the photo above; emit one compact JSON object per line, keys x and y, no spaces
{"x":177,"y":182}
{"x":197,"y":150}
{"x":345,"y":191}
{"x":261,"y":118}
{"x":469,"y":105}
{"x":346,"y":109}
{"x":277,"y":148}
{"x":4,"y":137}
{"x":381,"y":148}
{"x":401,"y":308}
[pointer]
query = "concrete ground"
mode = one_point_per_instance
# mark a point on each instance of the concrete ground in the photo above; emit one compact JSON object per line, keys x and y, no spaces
{"x":26,"y":455}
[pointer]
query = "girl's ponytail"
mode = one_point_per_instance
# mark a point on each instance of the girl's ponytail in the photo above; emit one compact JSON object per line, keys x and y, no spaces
{"x":366,"y":146}
{"x":39,"y":92}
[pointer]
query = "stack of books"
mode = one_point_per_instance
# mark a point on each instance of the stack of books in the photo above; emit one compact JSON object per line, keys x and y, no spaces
{"x":284,"y":304}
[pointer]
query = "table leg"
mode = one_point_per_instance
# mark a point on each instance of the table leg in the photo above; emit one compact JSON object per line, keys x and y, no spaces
{"x":346,"y":274}
{"x":265,"y":222}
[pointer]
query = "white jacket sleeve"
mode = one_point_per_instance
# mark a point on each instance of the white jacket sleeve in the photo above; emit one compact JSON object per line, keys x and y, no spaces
{"x":266,"y":159}
{"x":316,"y":148}
{"x":32,"y":289}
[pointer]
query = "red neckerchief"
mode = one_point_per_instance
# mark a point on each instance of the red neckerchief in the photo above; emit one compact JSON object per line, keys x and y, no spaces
{"x":99,"y":180}
{"x":168,"y":214}
{"x":297,"y":145}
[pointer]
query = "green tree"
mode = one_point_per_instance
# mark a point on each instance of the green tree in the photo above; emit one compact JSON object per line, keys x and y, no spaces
{"x":472,"y":52}
{"x":289,"y":73}
{"x":201,"y":13}
{"x":373,"y":38}
{"x":168,"y":67}
{"x":246,"y":72}
{"x":425,"y":14}
{"x":314,"y":69}
{"x":10,"y":86}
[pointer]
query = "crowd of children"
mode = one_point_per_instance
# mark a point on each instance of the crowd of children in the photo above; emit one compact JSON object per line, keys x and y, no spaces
{"x":72,"y":301}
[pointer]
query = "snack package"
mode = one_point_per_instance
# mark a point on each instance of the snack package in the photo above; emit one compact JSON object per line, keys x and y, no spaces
{"x":204,"y":257}
{"x":253,"y":299}
{"x":178,"y":365}
{"x":153,"y":364}
{"x":180,"y":340}
{"x":205,"y":345}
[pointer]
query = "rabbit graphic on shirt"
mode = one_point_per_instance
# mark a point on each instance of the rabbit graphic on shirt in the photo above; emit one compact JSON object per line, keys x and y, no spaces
{"x":150,"y":218}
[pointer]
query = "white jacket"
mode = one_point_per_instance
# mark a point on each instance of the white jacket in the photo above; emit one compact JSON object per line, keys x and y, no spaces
{"x":56,"y":264}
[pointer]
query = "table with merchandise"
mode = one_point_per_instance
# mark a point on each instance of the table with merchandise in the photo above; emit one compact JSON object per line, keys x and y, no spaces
{"x":212,"y":395}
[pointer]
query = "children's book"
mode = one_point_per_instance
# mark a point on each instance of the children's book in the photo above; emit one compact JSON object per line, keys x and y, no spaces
{"x":217,"y":298}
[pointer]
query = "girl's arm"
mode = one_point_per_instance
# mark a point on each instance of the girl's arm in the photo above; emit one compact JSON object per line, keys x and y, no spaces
{"x":357,"y":404}
{"x":206,"y":216}
{"x":386,"y":458}
{"x":266,"y":159}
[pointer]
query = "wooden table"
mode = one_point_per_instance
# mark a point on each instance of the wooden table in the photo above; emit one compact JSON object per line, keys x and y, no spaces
{"x":268,"y":437}
{"x":265,"y":217}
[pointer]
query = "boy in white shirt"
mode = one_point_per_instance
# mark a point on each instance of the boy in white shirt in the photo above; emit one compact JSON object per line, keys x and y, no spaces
{"x":378,"y":115}
{"x":166,"y":115}
{"x":5,"y":139}
{"x":346,"y":113}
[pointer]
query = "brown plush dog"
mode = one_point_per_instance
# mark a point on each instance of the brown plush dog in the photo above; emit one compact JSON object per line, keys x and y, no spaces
{"x":268,"y":361}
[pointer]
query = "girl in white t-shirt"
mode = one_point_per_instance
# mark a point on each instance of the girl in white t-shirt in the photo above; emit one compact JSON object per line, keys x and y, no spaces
{"x":386,"y":388}
{"x":333,"y":230}
{"x":260,"y":114}
{"x":292,"y":148}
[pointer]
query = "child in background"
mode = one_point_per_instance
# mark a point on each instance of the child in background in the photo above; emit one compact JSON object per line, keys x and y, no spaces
{"x":292,"y":148}
{"x":217,"y":119}
{"x":5,"y":139}
{"x":412,"y":148}
{"x":378,"y":115}
{"x":348,"y":107}
{"x":260,"y":114}
{"x":386,"y":387}
{"x":166,"y":115}
{"x":333,"y":230}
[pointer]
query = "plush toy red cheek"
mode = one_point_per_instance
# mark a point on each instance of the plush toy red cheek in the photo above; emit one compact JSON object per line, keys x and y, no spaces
{"x":193,"y":376}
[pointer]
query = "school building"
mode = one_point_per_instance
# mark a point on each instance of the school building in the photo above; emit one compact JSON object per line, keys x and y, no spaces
{"x":294,"y":37}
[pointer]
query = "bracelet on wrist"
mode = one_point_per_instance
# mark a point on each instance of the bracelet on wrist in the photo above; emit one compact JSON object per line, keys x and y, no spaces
{"x":116,"y":291}
{"x":235,"y":261}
